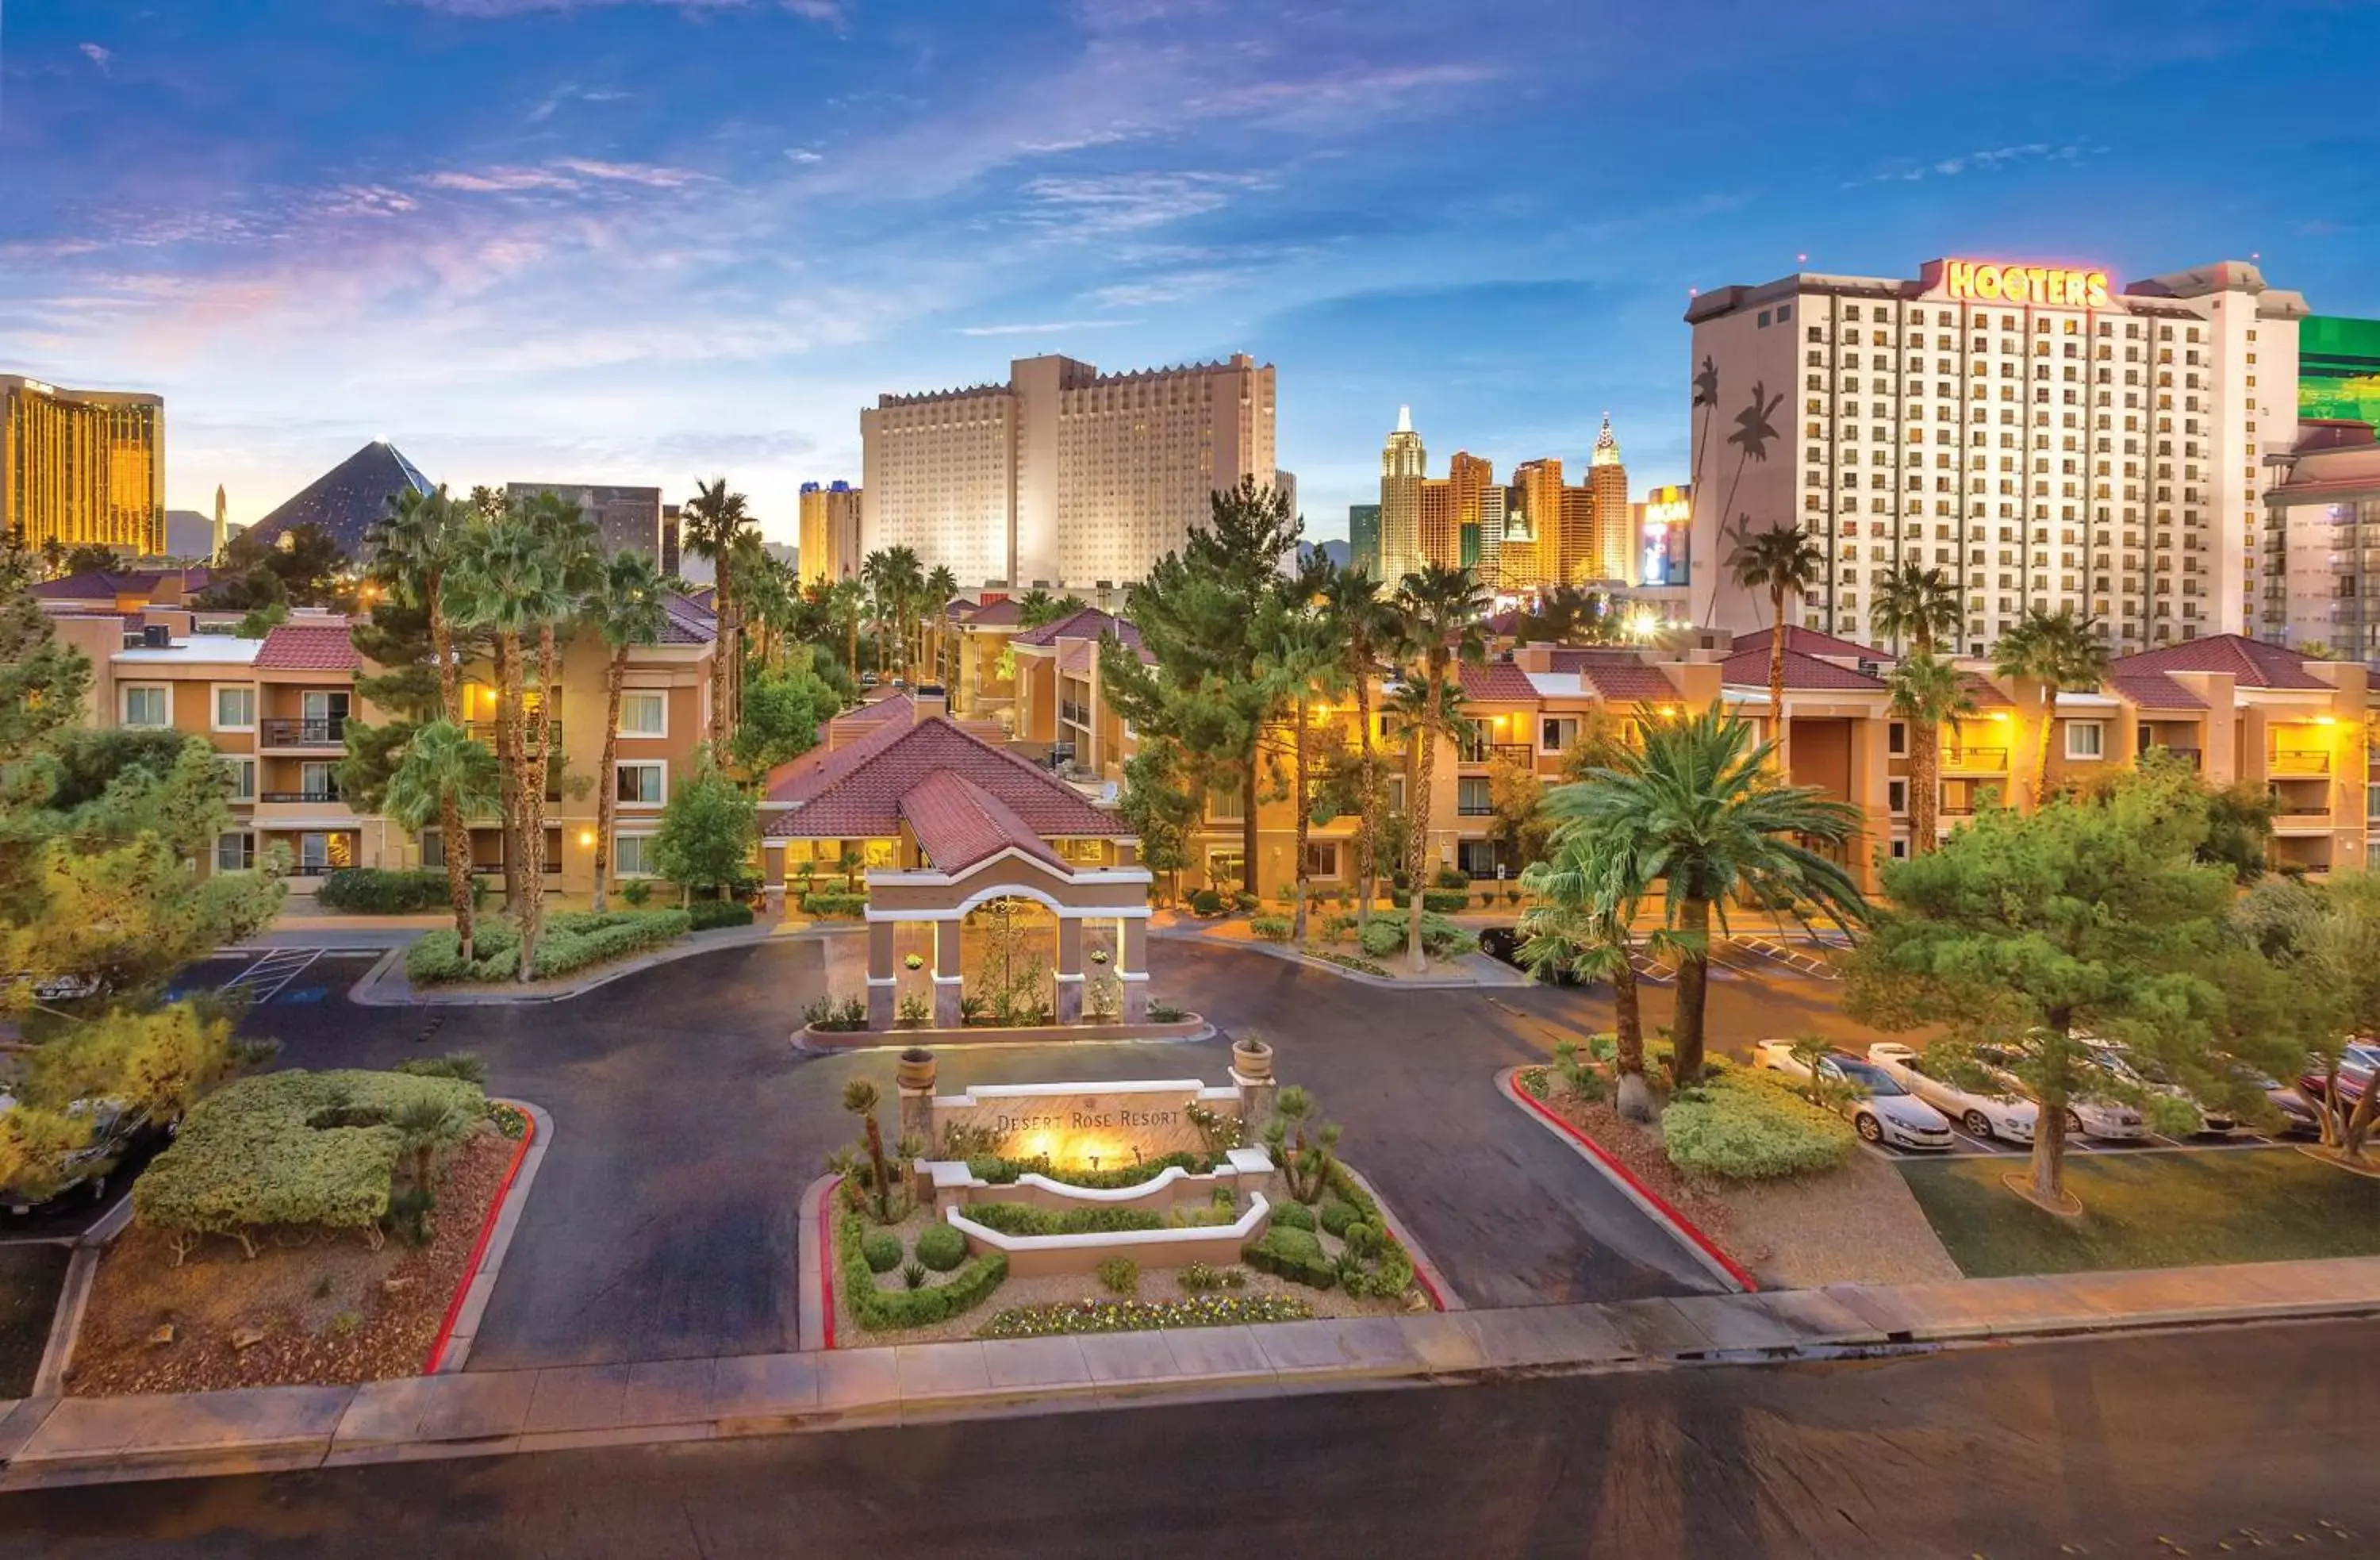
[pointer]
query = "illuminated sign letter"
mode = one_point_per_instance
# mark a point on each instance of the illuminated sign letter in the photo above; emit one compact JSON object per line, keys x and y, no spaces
{"x":2094,"y":290}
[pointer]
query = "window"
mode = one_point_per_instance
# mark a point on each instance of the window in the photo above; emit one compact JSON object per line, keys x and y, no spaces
{"x":644,"y":715}
{"x":1226,"y":869}
{"x":148,"y":704}
{"x":1322,"y":859}
{"x":1471,"y":798}
{"x":236,"y":852}
{"x":235,"y":708}
{"x":1896,"y":797}
{"x":320,"y":853}
{"x":2086,"y":739}
{"x":632,"y":856}
{"x":241,"y":773}
{"x":1557,"y":733}
{"x":1896,"y":738}
{"x":640,"y":783}
{"x":2371,"y":801}
{"x":1227,"y":806}
{"x":1396,"y":793}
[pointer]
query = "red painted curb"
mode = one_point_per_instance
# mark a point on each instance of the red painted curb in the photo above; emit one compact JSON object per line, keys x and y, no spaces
{"x":1421,"y":1276}
{"x":826,"y":1261}
{"x":479,"y":1247}
{"x":1684,"y":1225}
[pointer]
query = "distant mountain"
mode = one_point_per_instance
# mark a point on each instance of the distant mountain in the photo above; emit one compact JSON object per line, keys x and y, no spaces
{"x":190,"y":533}
{"x":1335,"y":550}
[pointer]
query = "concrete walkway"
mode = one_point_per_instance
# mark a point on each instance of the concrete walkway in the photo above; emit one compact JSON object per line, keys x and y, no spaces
{"x":81,"y":1441}
{"x":386,"y":985}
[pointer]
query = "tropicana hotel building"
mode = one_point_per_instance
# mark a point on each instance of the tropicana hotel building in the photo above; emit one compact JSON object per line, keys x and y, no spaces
{"x":2043,"y":434}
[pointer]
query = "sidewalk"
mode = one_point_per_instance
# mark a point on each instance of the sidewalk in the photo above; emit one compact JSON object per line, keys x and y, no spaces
{"x":81,"y":1441}
{"x":386,"y":985}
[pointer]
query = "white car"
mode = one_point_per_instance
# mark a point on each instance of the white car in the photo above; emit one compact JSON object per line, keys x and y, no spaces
{"x":2086,"y":1116}
{"x":2004,"y":1118}
{"x":1881,"y":1111}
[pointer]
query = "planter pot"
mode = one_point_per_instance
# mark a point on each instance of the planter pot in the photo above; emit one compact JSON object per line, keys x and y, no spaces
{"x":1252,"y":1059}
{"x":915,"y":1070}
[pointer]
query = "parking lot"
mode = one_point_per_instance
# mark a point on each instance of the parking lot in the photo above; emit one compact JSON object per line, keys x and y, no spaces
{"x":285,"y":977}
{"x":1963,"y":1143}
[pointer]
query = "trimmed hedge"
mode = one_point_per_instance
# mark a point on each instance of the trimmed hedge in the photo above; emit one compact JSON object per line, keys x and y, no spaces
{"x":1003,"y":1172}
{"x":1382,"y":937}
{"x":834,"y":906}
{"x":1338,"y":1214}
{"x":1341,"y":1183}
{"x":1292,"y":1215}
{"x":1023,"y":1218}
{"x":290,"y":1148}
{"x":1206,"y":902}
{"x":942,"y":1248}
{"x":374,"y":891}
{"x":881,"y":1250}
{"x":573,"y":940}
{"x":705,"y":914}
{"x":880,"y":1310}
{"x":1750,"y":1126}
{"x":1293,"y":1254}
{"x":1435,"y":901}
{"x":1272,"y":929}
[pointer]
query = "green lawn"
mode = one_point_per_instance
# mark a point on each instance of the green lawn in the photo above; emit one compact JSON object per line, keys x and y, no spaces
{"x":2150,"y":1210}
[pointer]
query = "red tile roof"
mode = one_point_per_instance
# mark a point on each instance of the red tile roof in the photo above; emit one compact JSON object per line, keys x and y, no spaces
{"x":1809,"y":641}
{"x":686,"y":621}
{"x":309,"y":647}
{"x":1568,"y":658}
{"x":1628,"y":682}
{"x":885,"y":709}
{"x":1499,"y":681}
{"x":1985,"y":692}
{"x":1749,"y":668}
{"x":2254,"y":662}
{"x":107,"y":584}
{"x":1086,"y":623}
{"x":1000,"y":613}
{"x":856,"y":792}
{"x":959,"y":823}
{"x":2151,"y":691}
{"x":1077,"y":657}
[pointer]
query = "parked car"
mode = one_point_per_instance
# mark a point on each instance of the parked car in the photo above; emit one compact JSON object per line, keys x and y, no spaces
{"x":2086,"y":1116}
{"x":1503,"y":944}
{"x":1880,"y":1110}
{"x":2118,"y":1061}
{"x":2007,"y":1118}
{"x":87,"y":1169}
{"x":2297,"y":1114}
{"x":2356,"y":1066}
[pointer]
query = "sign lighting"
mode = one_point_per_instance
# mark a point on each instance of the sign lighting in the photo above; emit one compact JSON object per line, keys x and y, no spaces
{"x":2058,"y":286}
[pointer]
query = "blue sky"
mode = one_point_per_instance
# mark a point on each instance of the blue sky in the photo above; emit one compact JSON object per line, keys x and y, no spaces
{"x":630,"y":240}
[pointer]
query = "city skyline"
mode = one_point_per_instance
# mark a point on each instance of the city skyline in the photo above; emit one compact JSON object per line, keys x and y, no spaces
{"x":569,"y":261}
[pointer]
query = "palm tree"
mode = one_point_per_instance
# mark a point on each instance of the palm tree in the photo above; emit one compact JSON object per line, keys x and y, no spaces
{"x":448,"y":776}
{"x":879,"y":572}
{"x":626,"y":609}
{"x":860,"y":1097}
{"x":1787,"y":561}
{"x":1301,"y":662}
{"x":1916,"y":605}
{"x":1441,"y":607}
{"x":412,"y":550}
{"x":942,"y":585}
{"x":2057,"y":650}
{"x":847,"y":603}
{"x":1699,"y":809}
{"x":1369,"y":630}
{"x":1927,"y":692}
{"x":712,"y":521}
{"x":1584,"y":922}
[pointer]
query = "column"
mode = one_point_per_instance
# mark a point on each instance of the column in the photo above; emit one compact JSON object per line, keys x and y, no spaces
{"x":880,"y":977}
{"x":1070,"y":968}
{"x":948,"y":982}
{"x":1131,"y":966}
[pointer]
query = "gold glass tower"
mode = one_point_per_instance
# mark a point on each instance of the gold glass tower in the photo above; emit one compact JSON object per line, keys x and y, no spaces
{"x":79,"y":466}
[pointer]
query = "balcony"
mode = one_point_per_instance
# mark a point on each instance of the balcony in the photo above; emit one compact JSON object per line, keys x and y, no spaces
{"x":1974,"y":761}
{"x":1500,"y":752}
{"x":327,"y":731}
{"x":1074,"y":713}
{"x":319,"y":794}
{"x":485,"y":731}
{"x":2302,"y":761}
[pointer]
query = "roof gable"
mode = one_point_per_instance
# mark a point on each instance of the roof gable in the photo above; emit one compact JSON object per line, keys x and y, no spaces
{"x":309,"y":647}
{"x":857,"y":791}
{"x":2253,"y":661}
{"x":958,"y":824}
{"x":1809,"y":641}
{"x":2151,"y":691}
{"x":1749,"y":668}
{"x":1498,"y":682}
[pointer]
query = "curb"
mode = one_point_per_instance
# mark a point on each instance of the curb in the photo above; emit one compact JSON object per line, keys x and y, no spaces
{"x":1433,"y":1282}
{"x":369,"y":991}
{"x":816,"y":1292}
{"x":74,"y":1297}
{"x":453,"y":1344}
{"x":1700,"y":1246}
{"x":829,"y":1042}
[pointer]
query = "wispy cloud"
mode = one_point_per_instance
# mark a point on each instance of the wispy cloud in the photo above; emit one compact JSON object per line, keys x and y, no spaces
{"x":1053,"y":328}
{"x":1120,"y":202}
{"x":830,"y":12}
{"x":99,"y":55}
{"x":566,"y":175}
{"x":569,"y":93}
{"x":1990,"y":160}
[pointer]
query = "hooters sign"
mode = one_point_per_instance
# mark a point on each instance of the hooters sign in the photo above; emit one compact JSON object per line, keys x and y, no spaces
{"x":1983,"y":281}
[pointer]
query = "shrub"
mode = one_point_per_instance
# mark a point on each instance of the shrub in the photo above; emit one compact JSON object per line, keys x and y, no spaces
{"x":1293,"y":1254}
{"x":1351,"y":961}
{"x":1003,"y":1172}
{"x":573,"y":940}
{"x":1206,"y":902}
{"x":1120,"y":1275}
{"x":1205,"y":1277}
{"x":465,"y":1065}
{"x":1272,"y":929}
{"x":1246,"y":899}
{"x":1338,"y":1215}
{"x":1337,"y":928}
{"x":881,"y":1248}
{"x":1446,"y":902}
{"x":1441,"y":937}
{"x":914,"y":1276}
{"x":941,"y":1246}
{"x":886,"y":1309}
{"x":830,"y":1016}
{"x":1380,"y":1270}
{"x":705,"y":914}
{"x":374,"y":891}
{"x":1342,"y":1184}
{"x":1292,"y":1215}
{"x":1133,"y":1316}
{"x":1382,"y":937}
{"x":1450,"y":877}
{"x":833,"y":905}
{"x":1165,"y":1013}
{"x":290,"y":1148}
{"x":1023,"y":1218}
{"x":1741,"y":1127}
{"x":637,"y":892}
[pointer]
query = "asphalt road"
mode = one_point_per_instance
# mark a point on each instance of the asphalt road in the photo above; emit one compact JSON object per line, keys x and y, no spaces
{"x":2195,"y":1444}
{"x":664,"y":1223}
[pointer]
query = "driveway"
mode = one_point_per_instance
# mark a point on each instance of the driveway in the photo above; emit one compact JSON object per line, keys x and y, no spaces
{"x":663,"y":1224}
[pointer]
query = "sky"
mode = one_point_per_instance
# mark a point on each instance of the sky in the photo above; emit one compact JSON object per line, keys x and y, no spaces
{"x":644,"y":241}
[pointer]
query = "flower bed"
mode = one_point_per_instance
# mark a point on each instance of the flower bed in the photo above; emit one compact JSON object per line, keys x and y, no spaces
{"x":1131,"y":1316}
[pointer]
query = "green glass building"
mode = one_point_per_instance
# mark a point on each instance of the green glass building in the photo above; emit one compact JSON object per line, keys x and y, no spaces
{"x":2338,"y":368}
{"x":1364,"y":538}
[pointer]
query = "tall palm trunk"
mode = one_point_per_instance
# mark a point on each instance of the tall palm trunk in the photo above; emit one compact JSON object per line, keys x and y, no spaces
{"x":607,"y":792}
{"x":851,"y":646}
{"x":1628,"y":1026}
{"x":2041,"y":756}
{"x":508,"y":762}
{"x":1693,"y":989}
{"x":722,"y":662}
{"x":1304,"y":806}
{"x":1368,"y":821}
{"x":452,"y":832}
{"x":1248,"y":878}
{"x":1417,"y":850}
{"x":1925,"y":785}
{"x":533,"y":777}
{"x":1777,"y":676}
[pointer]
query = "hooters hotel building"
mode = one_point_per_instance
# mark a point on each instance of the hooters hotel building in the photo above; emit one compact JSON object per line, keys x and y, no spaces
{"x":2046,"y":435}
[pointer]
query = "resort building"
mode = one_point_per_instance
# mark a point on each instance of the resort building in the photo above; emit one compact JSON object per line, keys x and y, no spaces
{"x":2320,"y":543}
{"x":82,"y":467}
{"x":346,"y":501}
{"x":629,"y":519}
{"x":828,"y":548}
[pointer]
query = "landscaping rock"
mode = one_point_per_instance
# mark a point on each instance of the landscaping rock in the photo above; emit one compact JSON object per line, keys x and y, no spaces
{"x":248,"y":1338}
{"x":394,"y":1286}
{"x":163,"y":1336}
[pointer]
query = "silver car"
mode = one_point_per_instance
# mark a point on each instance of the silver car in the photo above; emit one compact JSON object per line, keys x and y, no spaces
{"x":1881,"y":1111}
{"x":1999,"y":1117}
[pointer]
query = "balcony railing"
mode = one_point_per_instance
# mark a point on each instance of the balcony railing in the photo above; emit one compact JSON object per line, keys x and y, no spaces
{"x":319,"y":794}
{"x":485,"y":731}
{"x":328,"y":731}
{"x":1989,"y":760}
{"x":2302,"y":762}
{"x":1498,"y":753}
